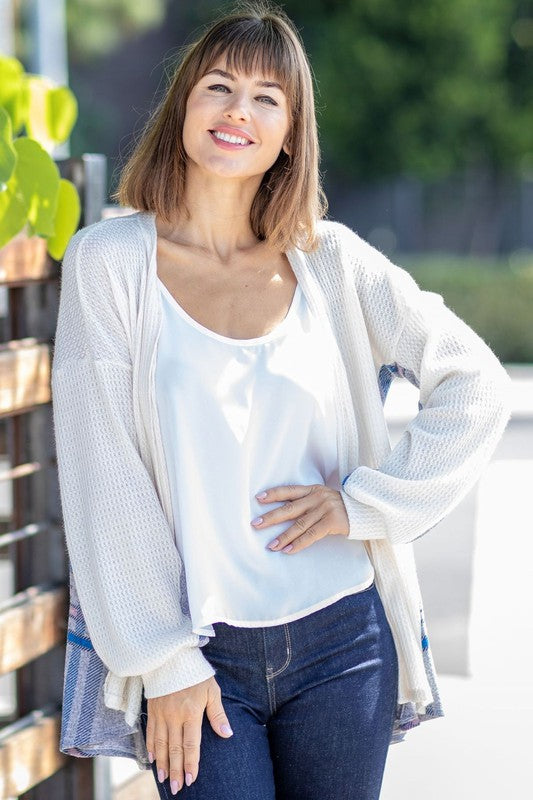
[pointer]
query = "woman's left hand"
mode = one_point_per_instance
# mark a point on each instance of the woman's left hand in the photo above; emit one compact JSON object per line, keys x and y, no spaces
{"x":317,"y":511}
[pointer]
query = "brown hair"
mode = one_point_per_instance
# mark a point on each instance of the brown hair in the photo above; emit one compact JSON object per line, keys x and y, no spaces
{"x":290,"y":199}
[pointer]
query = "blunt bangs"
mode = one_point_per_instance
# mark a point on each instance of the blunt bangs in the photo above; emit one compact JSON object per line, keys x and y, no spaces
{"x":250,"y":46}
{"x":258,"y":38}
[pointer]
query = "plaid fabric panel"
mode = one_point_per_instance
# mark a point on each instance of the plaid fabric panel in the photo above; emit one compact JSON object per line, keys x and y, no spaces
{"x":88,"y":727}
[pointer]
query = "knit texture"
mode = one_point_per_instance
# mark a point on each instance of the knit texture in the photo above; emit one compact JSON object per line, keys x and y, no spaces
{"x":464,"y":399}
{"x":126,"y":570}
{"x":119,"y":542}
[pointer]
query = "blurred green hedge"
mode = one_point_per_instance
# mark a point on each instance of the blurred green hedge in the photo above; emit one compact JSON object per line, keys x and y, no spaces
{"x":494,"y":297}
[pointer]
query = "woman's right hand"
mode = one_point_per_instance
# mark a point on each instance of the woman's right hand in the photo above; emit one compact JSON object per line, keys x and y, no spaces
{"x":174,"y":729}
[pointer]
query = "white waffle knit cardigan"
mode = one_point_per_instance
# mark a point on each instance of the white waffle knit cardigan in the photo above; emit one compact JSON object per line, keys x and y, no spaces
{"x":114,"y":488}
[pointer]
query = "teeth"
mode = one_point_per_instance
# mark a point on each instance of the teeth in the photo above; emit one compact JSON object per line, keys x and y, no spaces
{"x":226,"y":137}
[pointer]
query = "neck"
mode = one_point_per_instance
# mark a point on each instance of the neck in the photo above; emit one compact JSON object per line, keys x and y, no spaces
{"x":218,"y":218}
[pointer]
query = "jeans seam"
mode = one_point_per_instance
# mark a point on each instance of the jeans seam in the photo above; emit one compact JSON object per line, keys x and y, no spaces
{"x":271,"y":686}
{"x":289,"y":652}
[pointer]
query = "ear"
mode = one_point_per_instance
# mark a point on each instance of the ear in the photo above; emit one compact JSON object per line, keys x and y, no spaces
{"x":286,"y":147}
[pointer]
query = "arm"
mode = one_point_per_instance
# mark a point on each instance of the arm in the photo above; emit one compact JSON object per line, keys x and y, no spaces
{"x":464,"y":405}
{"x":121,"y":549}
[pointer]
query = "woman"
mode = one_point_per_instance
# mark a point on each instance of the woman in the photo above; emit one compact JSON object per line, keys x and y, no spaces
{"x":239,"y":530}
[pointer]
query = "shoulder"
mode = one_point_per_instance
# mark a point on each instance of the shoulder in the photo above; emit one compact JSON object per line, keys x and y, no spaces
{"x":338,"y":238}
{"x":115,"y":246}
{"x":340,"y":247}
{"x":374,"y":275}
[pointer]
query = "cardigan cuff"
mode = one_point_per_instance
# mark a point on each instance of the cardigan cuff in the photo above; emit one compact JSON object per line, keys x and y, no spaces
{"x":184,"y":669}
{"x":365,"y":522}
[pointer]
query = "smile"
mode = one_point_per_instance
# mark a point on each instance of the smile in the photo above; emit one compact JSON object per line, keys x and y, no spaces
{"x":229,"y":140}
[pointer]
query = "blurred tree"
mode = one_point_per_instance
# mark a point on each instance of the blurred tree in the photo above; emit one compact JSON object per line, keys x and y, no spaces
{"x":96,"y":27}
{"x":407,"y":86}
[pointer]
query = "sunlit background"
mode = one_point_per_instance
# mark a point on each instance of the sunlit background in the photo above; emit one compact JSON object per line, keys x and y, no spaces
{"x":425,"y":113}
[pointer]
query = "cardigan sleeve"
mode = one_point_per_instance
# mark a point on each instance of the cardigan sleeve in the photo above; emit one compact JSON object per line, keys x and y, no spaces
{"x":121,"y":549}
{"x":464,"y":404}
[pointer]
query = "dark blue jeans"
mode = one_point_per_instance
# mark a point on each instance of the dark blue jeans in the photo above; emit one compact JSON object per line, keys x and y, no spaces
{"x":311,"y":704}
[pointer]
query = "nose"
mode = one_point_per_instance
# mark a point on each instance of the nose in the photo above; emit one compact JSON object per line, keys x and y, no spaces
{"x":237,"y":107}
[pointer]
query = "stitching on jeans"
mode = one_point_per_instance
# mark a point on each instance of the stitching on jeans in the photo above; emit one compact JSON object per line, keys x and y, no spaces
{"x":271,"y":697}
{"x":271,"y":693}
{"x":289,"y":652}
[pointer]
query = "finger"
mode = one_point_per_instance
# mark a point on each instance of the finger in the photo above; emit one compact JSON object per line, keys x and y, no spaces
{"x":294,"y":543}
{"x":286,"y":492}
{"x":176,"y":757}
{"x":192,"y":736}
{"x":161,"y":750}
{"x":283,"y":513}
{"x":291,"y":508}
{"x":298,"y":528}
{"x":150,"y":736}
{"x":216,"y":714}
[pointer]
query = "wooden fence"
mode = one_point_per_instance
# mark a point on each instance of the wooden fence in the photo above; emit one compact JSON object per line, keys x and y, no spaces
{"x":33,"y":555}
{"x":33,"y":559}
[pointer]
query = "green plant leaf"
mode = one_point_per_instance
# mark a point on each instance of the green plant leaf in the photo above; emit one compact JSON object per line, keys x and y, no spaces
{"x":52,"y":111}
{"x":67,"y":218}
{"x":11,"y":82}
{"x":8,"y":155}
{"x":62,"y":113}
{"x":38,"y":180}
{"x":13,"y":210}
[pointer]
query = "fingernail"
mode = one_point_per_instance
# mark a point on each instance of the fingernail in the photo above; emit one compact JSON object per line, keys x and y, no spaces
{"x":287,"y":549}
{"x":161,"y":775}
{"x":188,"y":778}
{"x":274,"y":544}
{"x":174,"y":787}
{"x":225,"y":728}
{"x":261,"y":495}
{"x":257,"y":521}
{"x":150,"y":757}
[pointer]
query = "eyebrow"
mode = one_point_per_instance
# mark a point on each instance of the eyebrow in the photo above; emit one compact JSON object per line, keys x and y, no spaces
{"x":265,"y":84}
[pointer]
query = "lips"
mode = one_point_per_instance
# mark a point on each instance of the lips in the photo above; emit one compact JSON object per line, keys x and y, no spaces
{"x":221,"y":143}
{"x":232,"y":132}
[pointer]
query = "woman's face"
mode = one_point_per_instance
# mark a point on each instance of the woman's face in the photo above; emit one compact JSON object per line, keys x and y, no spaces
{"x":223,"y":105}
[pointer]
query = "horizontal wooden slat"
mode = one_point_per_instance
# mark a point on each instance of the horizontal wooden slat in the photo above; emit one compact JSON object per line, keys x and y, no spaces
{"x":24,"y":375}
{"x":21,"y":471}
{"x":31,"y":623}
{"x":29,"y":752}
{"x":25,"y":259}
{"x":141,"y":787}
{"x":31,"y":529}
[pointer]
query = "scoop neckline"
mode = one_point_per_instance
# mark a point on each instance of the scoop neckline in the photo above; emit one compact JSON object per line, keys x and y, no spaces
{"x":273,"y":334}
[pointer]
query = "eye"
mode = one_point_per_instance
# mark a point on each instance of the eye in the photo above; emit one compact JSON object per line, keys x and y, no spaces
{"x":215,"y":87}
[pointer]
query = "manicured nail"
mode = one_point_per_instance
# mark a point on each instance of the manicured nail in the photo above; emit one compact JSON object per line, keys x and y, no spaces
{"x":161,"y":775}
{"x":261,"y":495}
{"x":188,"y":778}
{"x":225,"y":728}
{"x":174,"y":787}
{"x":274,"y":544}
{"x":257,"y":521}
{"x":150,"y":757}
{"x":287,"y":549}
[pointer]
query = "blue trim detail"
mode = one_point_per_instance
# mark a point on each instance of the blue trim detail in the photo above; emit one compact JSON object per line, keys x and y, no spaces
{"x":386,"y":374}
{"x":346,"y":478}
{"x":72,"y":637}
